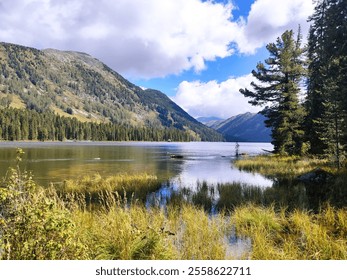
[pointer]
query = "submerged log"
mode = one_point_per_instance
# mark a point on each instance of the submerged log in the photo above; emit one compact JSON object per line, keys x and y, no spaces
{"x":177,"y":156}
{"x":268,"y":151}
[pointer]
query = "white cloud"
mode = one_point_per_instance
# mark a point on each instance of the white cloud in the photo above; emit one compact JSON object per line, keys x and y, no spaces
{"x":149,"y":38}
{"x":145,"y":38}
{"x":215,"y":99}
{"x":268,"y":19}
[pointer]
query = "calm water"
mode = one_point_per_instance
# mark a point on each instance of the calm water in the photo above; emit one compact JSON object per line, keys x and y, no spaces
{"x":201,"y":161}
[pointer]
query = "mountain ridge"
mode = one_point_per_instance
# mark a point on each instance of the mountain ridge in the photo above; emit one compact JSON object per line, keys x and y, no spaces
{"x":74,"y":84}
{"x":247,"y":127}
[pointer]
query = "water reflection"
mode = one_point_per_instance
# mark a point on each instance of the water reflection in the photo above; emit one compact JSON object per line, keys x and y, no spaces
{"x":54,"y":162}
{"x":216,"y":171}
{"x":202,"y":173}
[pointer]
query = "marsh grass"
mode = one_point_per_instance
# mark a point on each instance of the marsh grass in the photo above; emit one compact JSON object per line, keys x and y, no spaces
{"x":275,"y":166}
{"x":235,"y":194}
{"x":95,"y":187}
{"x":295,"y":235}
{"x":135,"y":232}
{"x":50,"y":227}
{"x":38,"y":223}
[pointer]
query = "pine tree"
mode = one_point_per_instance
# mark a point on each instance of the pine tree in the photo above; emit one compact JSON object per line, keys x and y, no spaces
{"x":279,"y":90}
{"x":327,"y":88}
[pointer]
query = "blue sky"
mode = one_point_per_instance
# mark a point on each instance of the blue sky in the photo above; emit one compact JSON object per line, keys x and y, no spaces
{"x":197,"y":52}
{"x":219,"y":70}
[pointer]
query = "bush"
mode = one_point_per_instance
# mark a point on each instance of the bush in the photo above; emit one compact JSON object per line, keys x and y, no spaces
{"x":34,"y":224}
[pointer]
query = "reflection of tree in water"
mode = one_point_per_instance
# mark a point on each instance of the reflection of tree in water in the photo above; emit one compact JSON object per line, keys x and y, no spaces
{"x":56,"y":162}
{"x":288,"y":194}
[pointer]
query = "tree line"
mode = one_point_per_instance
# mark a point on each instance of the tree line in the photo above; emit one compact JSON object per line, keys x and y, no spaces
{"x":303,"y":88}
{"x":16,"y":124}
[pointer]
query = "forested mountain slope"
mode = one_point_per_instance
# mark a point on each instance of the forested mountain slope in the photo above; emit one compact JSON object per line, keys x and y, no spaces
{"x":73,"y":84}
{"x":246,"y":127}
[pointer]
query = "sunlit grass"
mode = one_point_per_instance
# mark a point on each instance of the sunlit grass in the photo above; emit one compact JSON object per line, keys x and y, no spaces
{"x":274,"y":166}
{"x":92,"y":187}
{"x":295,"y":235}
{"x":135,"y":232}
{"x":38,"y":223}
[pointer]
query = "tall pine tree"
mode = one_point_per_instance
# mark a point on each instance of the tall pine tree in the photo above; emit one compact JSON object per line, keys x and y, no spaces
{"x":327,"y":88}
{"x":279,"y":88}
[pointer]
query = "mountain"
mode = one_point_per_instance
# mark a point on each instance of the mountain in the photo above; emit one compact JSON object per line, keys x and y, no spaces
{"x":74,"y":84}
{"x":246,"y":127}
{"x":206,"y":120}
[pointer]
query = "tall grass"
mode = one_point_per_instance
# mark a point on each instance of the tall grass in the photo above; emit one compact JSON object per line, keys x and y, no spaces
{"x":275,"y":166}
{"x":295,"y":235}
{"x":38,"y":223}
{"x":94,"y":187}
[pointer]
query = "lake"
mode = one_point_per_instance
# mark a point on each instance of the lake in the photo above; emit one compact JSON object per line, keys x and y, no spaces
{"x":195,"y":161}
{"x":200,"y":172}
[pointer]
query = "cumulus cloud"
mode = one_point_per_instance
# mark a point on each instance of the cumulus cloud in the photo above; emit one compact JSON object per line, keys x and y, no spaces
{"x":148,"y":38}
{"x":268,"y":19}
{"x":215,"y":99}
{"x":144,"y":38}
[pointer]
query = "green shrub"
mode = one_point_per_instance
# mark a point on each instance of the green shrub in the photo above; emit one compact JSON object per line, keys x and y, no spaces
{"x":34,"y":224}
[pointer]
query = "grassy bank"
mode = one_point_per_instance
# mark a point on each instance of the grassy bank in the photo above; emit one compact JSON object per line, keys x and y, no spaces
{"x":280,"y":166}
{"x":297,"y":235}
{"x":38,"y":223}
{"x":94,"y":188}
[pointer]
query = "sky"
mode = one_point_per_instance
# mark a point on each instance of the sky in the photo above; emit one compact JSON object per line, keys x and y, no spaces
{"x":198,"y":52}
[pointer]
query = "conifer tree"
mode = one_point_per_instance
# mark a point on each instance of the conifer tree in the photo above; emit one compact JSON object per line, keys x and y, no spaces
{"x":278,"y":89}
{"x":327,"y":88}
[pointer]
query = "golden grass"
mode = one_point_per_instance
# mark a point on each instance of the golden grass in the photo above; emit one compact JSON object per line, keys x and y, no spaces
{"x":39,"y":223}
{"x":298,"y":235}
{"x":281,"y":166}
{"x":121,"y":232}
{"x":136,"y":185}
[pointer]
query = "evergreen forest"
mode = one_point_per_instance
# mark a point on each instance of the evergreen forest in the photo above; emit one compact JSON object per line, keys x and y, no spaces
{"x":16,"y":125}
{"x":303,"y":89}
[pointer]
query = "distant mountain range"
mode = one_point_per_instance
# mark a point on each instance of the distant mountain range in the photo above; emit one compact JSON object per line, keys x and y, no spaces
{"x":208,"y":120}
{"x":76,"y":85}
{"x":248,"y":127}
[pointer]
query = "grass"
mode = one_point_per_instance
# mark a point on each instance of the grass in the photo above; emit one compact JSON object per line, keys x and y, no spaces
{"x":38,"y":223}
{"x":94,"y":187}
{"x":297,"y":235}
{"x":139,"y":233}
{"x":275,"y":166}
{"x":47,"y":225}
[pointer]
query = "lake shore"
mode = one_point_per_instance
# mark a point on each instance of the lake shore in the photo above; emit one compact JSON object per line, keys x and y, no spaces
{"x":104,"y":218}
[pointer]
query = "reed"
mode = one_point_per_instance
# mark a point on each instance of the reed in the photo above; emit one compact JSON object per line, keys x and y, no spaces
{"x":38,"y":223}
{"x":296,"y":235}
{"x":94,"y":187}
{"x":281,"y":166}
{"x":135,"y":232}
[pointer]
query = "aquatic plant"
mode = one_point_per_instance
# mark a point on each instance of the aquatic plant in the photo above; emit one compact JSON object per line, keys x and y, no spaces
{"x":275,"y":166}
{"x":297,"y":235}
{"x":93,"y":187}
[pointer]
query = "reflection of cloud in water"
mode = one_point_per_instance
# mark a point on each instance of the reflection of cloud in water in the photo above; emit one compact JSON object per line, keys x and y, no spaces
{"x":216,"y":171}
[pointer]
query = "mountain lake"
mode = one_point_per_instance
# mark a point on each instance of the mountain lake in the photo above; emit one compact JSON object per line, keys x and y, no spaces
{"x":204,"y":168}
{"x":201,"y":172}
{"x":178,"y":163}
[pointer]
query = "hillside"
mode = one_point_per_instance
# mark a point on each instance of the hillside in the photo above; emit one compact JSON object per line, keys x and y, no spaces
{"x":246,"y":127}
{"x":74,"y":84}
